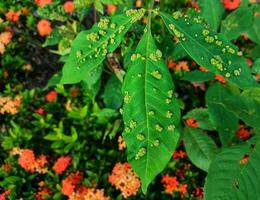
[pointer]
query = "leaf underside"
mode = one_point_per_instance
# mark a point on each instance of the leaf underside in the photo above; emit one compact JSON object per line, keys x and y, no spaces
{"x":150,"y":112}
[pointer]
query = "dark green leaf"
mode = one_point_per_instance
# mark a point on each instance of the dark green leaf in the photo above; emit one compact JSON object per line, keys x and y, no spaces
{"x":198,"y":76}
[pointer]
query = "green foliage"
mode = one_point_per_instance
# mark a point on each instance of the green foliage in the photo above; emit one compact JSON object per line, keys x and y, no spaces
{"x":150,"y":131}
{"x":225,"y":121}
{"x":90,"y":47}
{"x":215,"y":52}
{"x":201,"y":148}
{"x":212,"y":12}
{"x":233,"y":179}
{"x":198,"y":76}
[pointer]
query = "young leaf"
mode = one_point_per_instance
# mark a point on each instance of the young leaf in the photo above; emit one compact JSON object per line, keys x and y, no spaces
{"x":208,"y":49}
{"x":225,"y":121}
{"x":90,"y":47}
{"x":212,"y":12}
{"x":150,"y":111}
{"x":201,"y":148}
{"x":234,"y":174}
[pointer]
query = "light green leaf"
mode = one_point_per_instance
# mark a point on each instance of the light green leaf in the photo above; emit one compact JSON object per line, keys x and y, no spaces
{"x":228,"y":179}
{"x":237,"y":22}
{"x":212,"y":12}
{"x":90,"y":47}
{"x":201,"y":148}
{"x":208,"y":49}
{"x":254,"y":31}
{"x":225,"y":121}
{"x":150,"y":111}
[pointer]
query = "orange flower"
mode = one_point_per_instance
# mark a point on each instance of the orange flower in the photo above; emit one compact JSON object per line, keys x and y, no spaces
{"x":180,"y":154}
{"x":170,"y":183}
{"x":42,"y":3}
{"x":182,"y":188}
{"x":51,"y":96}
{"x":244,"y":160}
{"x":25,"y":10}
{"x":4,"y":194}
{"x":69,"y":7}
{"x":62,"y":164}
{"x":69,"y":183}
{"x":231,"y":4}
{"x":220,"y":78}
{"x":171,"y":64}
{"x":125,"y":179}
{"x":2,"y":48}
{"x":40,"y":111}
{"x":111,"y":9}
{"x":13,"y":16}
{"x":88,"y":194}
{"x":243,"y":133}
{"x":9,"y":105}
{"x":121,"y":143}
{"x":192,"y":122}
{"x":138,"y":4}
{"x":257,"y":76}
{"x":5,"y":37}
{"x":44,"y":27}
{"x":203,"y":69}
{"x":182,"y":65}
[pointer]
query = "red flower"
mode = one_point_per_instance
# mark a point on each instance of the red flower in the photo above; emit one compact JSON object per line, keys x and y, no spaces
{"x":182,"y":188}
{"x":220,"y":79}
{"x":69,"y":183}
{"x":62,"y":164}
{"x":198,"y":192}
{"x":243,"y":133}
{"x":203,"y":69}
{"x":231,"y":4}
{"x":111,"y":8}
{"x":4,"y":194}
{"x":44,"y":27}
{"x":171,"y":64}
{"x":51,"y":96}
{"x":244,"y":160}
{"x":13,"y":16}
{"x":42,"y":3}
{"x":138,"y":4}
{"x":192,"y":122}
{"x":27,"y":159}
{"x":40,"y":111}
{"x":170,"y":183}
{"x":69,"y":7}
{"x":180,"y":154}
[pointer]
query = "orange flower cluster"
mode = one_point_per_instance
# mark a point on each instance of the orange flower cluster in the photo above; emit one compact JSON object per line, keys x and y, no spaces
{"x":171,"y":184}
{"x":9,"y":105}
{"x":125,"y":179}
{"x":43,"y":190}
{"x":5,"y":39}
{"x":70,"y":183}
{"x":85,"y":193}
{"x":191,"y":122}
{"x":121,"y":143}
{"x":243,"y":133}
{"x":220,"y":78}
{"x":203,"y":69}
{"x":111,"y":9}
{"x":62,"y":164}
{"x":4,"y":194}
{"x":231,"y":4}
{"x":69,"y":7}
{"x":44,"y":27}
{"x":51,"y":96}
{"x":42,"y":3}
{"x":13,"y":16}
{"x":181,"y":65}
{"x":180,"y":154}
{"x":28,"y":161}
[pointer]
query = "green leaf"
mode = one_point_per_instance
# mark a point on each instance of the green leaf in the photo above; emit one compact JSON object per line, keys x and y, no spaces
{"x":212,"y":12}
{"x":254,"y":31}
{"x":228,"y":179}
{"x":113,"y":97}
{"x":150,"y":111}
{"x":201,"y":148}
{"x":226,"y":122}
{"x":208,"y":49}
{"x":198,"y":76}
{"x":90,"y":47}
{"x":202,"y":118}
{"x":237,"y":22}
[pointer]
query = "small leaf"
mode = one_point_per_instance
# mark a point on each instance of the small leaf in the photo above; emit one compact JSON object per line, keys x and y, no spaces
{"x":150,"y":111}
{"x":212,"y":12}
{"x":225,"y":121}
{"x":198,"y":76}
{"x":209,"y":49}
{"x":90,"y":47}
{"x":201,"y":148}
